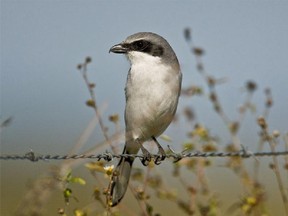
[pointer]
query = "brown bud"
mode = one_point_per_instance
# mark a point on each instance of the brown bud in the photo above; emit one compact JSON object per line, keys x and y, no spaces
{"x":251,"y":86}
{"x":198,"y":51}
{"x":262,"y":122}
{"x":213,"y":97}
{"x":90,"y":103}
{"x":92,"y":85}
{"x":272,"y":166}
{"x":234,"y":127}
{"x":187,"y":34}
{"x":79,"y":66}
{"x":114,"y":118}
{"x":269,"y":102}
{"x":88,"y":59}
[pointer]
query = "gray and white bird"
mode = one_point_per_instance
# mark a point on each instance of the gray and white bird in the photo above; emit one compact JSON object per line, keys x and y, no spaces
{"x":152,"y":90}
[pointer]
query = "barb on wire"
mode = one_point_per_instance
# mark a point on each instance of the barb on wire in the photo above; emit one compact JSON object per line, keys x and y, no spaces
{"x":32,"y":156}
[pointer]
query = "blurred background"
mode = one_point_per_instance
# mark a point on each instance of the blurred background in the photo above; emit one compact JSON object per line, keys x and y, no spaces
{"x":42,"y":42}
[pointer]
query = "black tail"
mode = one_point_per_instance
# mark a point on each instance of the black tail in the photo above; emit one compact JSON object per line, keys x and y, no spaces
{"x":120,"y":180}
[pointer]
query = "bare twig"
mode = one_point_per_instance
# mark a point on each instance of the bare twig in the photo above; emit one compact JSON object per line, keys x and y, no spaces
{"x":92,"y":102}
{"x":275,"y":166}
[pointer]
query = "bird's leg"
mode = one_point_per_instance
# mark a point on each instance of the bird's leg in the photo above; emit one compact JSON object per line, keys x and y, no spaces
{"x":161,"y":153}
{"x":146,"y":155}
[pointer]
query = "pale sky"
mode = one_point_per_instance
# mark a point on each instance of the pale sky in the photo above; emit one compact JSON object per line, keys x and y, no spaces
{"x":43,"y":41}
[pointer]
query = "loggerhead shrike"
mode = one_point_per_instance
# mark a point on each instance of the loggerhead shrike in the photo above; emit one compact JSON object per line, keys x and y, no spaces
{"x":152,"y":91}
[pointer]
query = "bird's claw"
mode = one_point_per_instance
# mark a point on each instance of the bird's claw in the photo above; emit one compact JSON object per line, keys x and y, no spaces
{"x":145,"y":160}
{"x":159,"y":158}
{"x":161,"y":153}
{"x":147,"y":157}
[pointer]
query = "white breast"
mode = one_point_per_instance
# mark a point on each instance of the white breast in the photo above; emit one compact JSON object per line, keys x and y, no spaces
{"x":152,"y":92}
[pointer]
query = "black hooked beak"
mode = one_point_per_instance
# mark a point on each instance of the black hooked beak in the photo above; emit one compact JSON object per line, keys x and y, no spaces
{"x":119,"y":48}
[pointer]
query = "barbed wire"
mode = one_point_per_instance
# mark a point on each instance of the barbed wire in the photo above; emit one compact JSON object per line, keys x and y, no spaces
{"x":107,"y":156}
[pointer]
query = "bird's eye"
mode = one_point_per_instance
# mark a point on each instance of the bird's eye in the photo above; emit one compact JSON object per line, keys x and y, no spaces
{"x":139,"y":45}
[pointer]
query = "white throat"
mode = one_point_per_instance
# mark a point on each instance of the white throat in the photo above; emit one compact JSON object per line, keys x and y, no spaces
{"x":142,"y":58}
{"x":146,"y":66}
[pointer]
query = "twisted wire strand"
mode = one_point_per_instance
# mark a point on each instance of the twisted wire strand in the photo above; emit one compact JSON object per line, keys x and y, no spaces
{"x":31,"y":156}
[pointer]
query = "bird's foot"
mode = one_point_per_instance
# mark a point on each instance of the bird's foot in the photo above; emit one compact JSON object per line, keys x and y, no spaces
{"x":145,"y":160}
{"x":161,"y":153}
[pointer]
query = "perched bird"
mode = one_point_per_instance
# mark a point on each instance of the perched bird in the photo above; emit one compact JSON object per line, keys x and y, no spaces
{"x":152,"y":91}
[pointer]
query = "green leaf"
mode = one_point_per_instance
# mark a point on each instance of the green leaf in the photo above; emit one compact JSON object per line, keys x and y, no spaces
{"x":78,"y":180}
